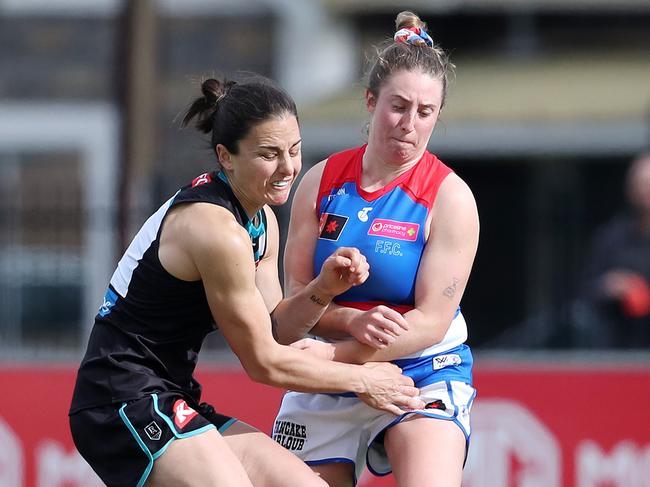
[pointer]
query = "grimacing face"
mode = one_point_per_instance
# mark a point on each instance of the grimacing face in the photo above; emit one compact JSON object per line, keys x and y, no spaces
{"x":403,"y":115}
{"x":267,"y":163}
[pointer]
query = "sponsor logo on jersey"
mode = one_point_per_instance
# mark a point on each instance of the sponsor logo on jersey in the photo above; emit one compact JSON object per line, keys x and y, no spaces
{"x":339,"y":192}
{"x":442,"y":361}
{"x":362,"y":214}
{"x":394,"y":229}
{"x":110,"y":298}
{"x":290,"y":435}
{"x":183,"y":414}
{"x":202,"y":179}
{"x":153,"y":431}
{"x":331,"y":226}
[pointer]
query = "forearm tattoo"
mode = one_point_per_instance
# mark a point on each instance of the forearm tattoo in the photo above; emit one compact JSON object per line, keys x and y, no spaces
{"x":450,"y":291}
{"x":317,"y":300}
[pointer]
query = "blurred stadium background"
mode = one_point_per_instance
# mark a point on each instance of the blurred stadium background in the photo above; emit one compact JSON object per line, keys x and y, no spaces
{"x":551,"y":101}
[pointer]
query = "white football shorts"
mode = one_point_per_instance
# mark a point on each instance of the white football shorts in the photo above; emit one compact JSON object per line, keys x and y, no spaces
{"x":330,"y":428}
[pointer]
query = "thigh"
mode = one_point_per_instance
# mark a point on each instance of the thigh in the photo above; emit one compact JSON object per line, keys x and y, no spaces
{"x":108,"y":446}
{"x":266,"y":462}
{"x":323,"y":428}
{"x":340,"y":474}
{"x":409,"y":446}
{"x":447,"y":402}
{"x":197,"y":461}
{"x":156,"y":438}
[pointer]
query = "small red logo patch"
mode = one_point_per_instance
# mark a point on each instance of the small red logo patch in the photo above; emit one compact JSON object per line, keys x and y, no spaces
{"x":202,"y":179}
{"x":437,"y":404}
{"x":331,"y":226}
{"x":183,"y":414}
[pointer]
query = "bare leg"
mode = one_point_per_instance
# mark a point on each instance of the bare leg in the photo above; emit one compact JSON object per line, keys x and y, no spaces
{"x":409,"y":447}
{"x":337,"y":474}
{"x":204,"y":460}
{"x":266,"y":462}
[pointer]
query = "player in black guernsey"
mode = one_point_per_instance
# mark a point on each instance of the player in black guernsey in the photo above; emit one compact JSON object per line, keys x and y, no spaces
{"x":150,"y":318}
{"x":208,"y":258}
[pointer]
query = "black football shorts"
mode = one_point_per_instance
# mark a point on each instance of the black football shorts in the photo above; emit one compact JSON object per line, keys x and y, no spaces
{"x":121,"y":442}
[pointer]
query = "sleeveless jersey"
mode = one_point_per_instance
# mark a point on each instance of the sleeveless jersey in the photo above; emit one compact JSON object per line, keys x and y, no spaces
{"x":387,"y":226}
{"x":151,"y":325}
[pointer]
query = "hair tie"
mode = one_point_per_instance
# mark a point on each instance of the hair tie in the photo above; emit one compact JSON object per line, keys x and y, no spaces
{"x":414,"y":36}
{"x":214,"y":99}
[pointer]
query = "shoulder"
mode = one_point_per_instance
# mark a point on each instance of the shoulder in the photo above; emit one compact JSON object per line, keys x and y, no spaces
{"x":454,"y":188}
{"x":314,"y":175}
{"x":456,"y":197}
{"x":341,"y":163}
{"x":423,"y":182}
{"x":347,"y":154}
{"x":342,"y":166}
{"x":310,"y":183}
{"x":308,"y":188}
{"x":210,"y":228}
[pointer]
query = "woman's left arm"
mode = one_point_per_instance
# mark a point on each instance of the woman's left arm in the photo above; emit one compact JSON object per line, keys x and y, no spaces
{"x":442,"y":277}
{"x":298,"y":313}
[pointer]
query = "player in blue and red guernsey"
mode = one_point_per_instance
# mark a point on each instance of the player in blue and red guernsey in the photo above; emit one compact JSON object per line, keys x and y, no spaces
{"x":416,"y":223}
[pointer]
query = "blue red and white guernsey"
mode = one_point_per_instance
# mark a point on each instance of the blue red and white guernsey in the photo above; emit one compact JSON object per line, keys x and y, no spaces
{"x":388,"y":227}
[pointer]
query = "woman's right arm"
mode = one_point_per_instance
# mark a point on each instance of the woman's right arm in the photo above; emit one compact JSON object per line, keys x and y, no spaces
{"x":376,"y":327}
{"x":220,"y":250}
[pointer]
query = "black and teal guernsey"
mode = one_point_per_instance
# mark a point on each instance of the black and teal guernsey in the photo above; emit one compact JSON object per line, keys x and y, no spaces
{"x":151,"y":325}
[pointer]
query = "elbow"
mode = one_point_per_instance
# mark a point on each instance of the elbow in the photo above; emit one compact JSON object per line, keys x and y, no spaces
{"x":430,"y":338}
{"x":259,"y":372}
{"x":439,"y":331}
{"x":436,"y":335}
{"x":263,"y":370}
{"x":283,"y":337}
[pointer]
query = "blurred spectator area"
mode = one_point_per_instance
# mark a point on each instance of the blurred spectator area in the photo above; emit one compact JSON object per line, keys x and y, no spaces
{"x":550,"y":101}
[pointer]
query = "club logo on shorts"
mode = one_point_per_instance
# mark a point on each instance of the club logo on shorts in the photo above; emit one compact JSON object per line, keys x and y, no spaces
{"x":183,"y":414}
{"x":153,"y":431}
{"x":442,"y":361}
{"x":290,"y":435}
{"x":437,"y":404}
{"x":331,"y":226}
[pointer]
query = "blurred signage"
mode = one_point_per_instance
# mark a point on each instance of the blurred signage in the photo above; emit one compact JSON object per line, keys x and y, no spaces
{"x":532,"y":427}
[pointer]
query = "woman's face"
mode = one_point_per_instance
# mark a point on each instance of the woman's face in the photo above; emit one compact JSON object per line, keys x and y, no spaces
{"x":402,"y":117}
{"x":267,"y":164}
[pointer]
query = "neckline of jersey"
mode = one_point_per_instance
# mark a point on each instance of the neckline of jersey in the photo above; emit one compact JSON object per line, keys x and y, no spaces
{"x":378,"y":193}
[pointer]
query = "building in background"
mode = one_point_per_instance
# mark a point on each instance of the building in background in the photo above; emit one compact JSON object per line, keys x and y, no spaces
{"x":550,"y":102}
{"x":551,"y":98}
